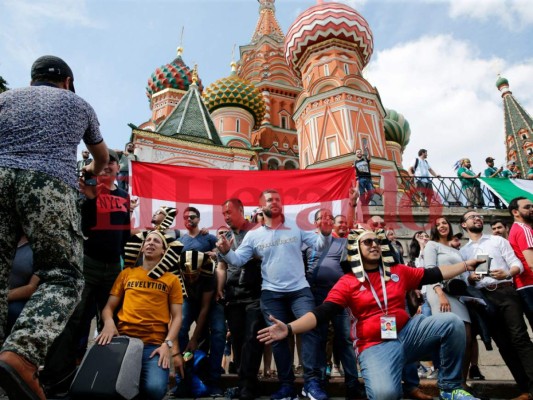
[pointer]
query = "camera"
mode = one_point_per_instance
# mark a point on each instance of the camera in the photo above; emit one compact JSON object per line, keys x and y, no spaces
{"x":89,"y":179}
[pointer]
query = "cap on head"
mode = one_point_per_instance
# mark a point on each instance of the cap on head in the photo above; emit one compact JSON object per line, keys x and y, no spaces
{"x":53,"y":67}
{"x":113,"y":156}
{"x":489,"y":159}
{"x":511,"y":163}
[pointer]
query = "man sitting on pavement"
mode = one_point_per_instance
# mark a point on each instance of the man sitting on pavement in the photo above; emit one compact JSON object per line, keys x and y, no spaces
{"x":375,"y":294}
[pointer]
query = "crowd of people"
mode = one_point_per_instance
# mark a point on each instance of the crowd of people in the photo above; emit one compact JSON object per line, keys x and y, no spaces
{"x":68,"y":254}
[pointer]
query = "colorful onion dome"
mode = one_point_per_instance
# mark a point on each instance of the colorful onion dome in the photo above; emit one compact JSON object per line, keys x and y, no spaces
{"x":501,"y":81}
{"x":327,"y":21}
{"x":175,"y":75}
{"x":235,"y":91}
{"x":396,"y":128}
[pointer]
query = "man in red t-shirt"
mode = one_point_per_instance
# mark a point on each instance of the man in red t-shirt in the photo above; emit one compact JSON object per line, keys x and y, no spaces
{"x":521,"y":239}
{"x":376,"y":299}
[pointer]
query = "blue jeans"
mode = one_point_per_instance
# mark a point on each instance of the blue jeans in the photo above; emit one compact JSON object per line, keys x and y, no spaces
{"x":287,"y":306}
{"x":365,"y":185}
{"x":342,"y":344}
{"x":527,"y":301}
{"x":154,"y":379}
{"x":216,"y":323}
{"x":382,"y":364}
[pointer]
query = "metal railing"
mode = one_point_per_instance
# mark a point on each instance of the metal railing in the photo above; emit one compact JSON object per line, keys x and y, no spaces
{"x":443,"y":191}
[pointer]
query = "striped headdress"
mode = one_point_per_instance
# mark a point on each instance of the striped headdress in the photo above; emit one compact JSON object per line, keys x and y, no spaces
{"x":353,"y":253}
{"x":169,"y":261}
{"x":192,"y":261}
{"x":170,"y":214}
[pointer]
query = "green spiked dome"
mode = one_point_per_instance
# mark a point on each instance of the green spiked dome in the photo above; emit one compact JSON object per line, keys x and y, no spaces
{"x":396,"y":128}
{"x":175,"y":75}
{"x":234,"y":91}
{"x":501,"y":81}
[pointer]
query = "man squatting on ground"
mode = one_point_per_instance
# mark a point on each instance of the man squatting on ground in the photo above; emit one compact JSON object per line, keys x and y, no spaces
{"x":375,"y":293}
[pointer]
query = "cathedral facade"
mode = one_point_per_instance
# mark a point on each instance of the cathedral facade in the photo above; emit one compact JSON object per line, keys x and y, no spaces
{"x":292,"y":101}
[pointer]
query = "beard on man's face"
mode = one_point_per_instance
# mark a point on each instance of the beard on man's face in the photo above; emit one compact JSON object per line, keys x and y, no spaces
{"x":476,"y":229}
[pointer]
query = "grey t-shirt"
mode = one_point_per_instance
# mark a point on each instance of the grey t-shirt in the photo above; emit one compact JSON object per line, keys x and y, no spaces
{"x":41,"y":127}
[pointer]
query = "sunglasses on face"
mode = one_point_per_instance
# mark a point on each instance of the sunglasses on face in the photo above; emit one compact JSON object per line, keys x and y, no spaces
{"x":472,"y":217}
{"x":191,"y":217}
{"x":370,"y":242}
{"x":378,"y":224}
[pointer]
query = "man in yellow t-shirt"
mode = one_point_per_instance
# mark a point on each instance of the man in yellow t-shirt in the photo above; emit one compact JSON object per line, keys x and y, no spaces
{"x":149,"y":305}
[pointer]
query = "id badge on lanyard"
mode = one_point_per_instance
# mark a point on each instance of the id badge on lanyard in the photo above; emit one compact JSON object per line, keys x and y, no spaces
{"x":387,"y":322}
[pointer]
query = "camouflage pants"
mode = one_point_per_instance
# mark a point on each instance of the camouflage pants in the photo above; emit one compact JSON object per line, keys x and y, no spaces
{"x":46,"y":210}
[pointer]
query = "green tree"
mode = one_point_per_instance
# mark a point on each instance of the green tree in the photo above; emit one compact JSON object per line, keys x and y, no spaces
{"x":3,"y":85}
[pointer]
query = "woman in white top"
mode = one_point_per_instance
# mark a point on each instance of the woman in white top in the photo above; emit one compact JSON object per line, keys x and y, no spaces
{"x":438,"y":253}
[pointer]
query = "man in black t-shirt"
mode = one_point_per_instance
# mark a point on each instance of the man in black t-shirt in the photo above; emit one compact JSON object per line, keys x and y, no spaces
{"x":364,"y":177}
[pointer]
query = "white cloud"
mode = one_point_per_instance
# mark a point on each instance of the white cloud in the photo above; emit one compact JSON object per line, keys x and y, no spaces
{"x":22,"y":36}
{"x":513,"y":14}
{"x":447,"y":92}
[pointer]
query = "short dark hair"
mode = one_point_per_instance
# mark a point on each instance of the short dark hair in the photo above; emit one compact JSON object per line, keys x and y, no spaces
{"x":463,"y":219}
{"x":264,"y":192}
{"x":237,"y":203}
{"x":498,"y":220}
{"x":193,"y":209}
{"x":513,"y":204}
{"x":55,"y":80}
{"x":317,"y":213}
{"x":338,"y":216}
{"x":422,"y":151}
{"x":434,"y":233}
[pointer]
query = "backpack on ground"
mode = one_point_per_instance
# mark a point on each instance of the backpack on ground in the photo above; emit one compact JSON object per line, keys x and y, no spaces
{"x":112,"y":371}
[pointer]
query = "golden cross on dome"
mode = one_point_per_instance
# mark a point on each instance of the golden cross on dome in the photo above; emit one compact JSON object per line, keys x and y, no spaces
{"x":195,"y":74}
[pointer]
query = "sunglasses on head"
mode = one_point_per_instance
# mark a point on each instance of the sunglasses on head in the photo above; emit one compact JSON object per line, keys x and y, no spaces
{"x":369,"y":242}
{"x":222,"y":232}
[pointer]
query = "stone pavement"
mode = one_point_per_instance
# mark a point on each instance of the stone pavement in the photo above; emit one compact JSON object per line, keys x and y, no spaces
{"x":499,"y":383}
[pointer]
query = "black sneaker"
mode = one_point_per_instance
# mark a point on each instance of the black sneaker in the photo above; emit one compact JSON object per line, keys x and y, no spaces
{"x":247,"y":394}
{"x":475,"y":373}
{"x":357,"y":392}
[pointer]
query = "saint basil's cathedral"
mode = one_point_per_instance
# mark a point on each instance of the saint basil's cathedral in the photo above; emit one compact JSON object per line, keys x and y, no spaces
{"x":293,"y":101}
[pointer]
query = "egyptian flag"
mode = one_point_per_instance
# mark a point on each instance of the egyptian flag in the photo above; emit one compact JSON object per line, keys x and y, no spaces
{"x":303,"y":192}
{"x":507,"y":189}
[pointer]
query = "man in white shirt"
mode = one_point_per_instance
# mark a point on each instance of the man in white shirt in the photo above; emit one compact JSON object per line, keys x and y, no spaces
{"x":421,"y":170}
{"x":509,"y":329}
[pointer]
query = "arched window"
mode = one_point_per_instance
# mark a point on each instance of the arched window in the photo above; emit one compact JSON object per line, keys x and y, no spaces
{"x":273,"y":164}
{"x":284,"y":122}
{"x":290,"y":165}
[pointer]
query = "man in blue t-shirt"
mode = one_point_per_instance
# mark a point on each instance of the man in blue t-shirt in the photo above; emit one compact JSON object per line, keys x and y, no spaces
{"x":285,"y":292}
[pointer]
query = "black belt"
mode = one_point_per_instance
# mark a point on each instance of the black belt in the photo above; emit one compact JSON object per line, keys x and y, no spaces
{"x":500,"y":285}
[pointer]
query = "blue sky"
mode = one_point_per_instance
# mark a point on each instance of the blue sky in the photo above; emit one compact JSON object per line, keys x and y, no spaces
{"x":435,"y":61}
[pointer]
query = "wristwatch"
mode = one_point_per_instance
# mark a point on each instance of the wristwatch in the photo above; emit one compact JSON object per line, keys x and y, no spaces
{"x":169,"y":343}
